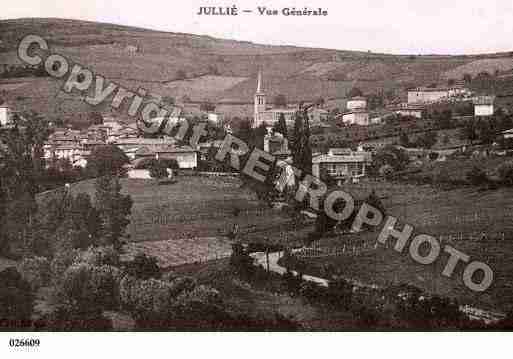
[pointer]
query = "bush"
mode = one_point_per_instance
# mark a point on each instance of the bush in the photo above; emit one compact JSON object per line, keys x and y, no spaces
{"x":241,"y":261}
{"x":201,"y":308}
{"x":68,"y":318}
{"x":16,"y":301}
{"x":477,"y":176}
{"x":386,"y":171}
{"x":311,"y":291}
{"x":99,"y":256}
{"x":60,"y":262}
{"x":143,"y":267}
{"x":505,"y":171}
{"x":87,"y":286}
{"x":340,"y":293}
{"x":36,"y":271}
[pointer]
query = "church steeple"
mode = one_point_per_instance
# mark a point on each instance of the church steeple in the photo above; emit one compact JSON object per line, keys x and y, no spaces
{"x":259,"y":82}
{"x":259,"y":101}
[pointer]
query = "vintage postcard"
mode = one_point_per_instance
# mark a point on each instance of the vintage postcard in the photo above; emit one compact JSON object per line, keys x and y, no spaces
{"x":327,"y":166}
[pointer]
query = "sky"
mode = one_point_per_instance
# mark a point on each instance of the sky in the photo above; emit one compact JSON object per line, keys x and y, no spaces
{"x":393,"y":26}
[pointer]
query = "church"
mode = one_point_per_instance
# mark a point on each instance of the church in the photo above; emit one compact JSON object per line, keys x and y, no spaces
{"x":268,"y":116}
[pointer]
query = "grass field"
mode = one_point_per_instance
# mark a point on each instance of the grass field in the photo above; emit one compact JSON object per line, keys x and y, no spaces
{"x":188,"y":221}
{"x":459,"y":216}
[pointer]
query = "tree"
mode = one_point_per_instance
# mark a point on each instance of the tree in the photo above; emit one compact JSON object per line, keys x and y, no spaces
{"x":404,"y":140}
{"x":16,"y":301}
{"x":477,"y":176}
{"x":485,"y":131}
{"x":104,"y":160}
{"x":207,"y":106}
{"x":467,"y":78}
{"x":427,"y":140}
{"x":280,"y":100}
{"x":469,"y":131}
{"x":143,"y":267}
{"x":281,"y":126}
{"x":505,"y":171}
{"x":354,"y":92}
{"x":21,"y":170}
{"x":443,"y":120}
{"x":114,"y":209}
{"x":96,"y":118}
{"x":301,"y":151}
{"x":158,"y":170}
{"x":392,"y":156}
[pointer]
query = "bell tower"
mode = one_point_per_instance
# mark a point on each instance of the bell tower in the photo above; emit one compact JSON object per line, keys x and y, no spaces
{"x":259,"y":101}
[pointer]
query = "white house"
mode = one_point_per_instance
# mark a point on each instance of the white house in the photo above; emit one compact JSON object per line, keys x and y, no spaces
{"x":484,"y":106}
{"x":342,"y":164}
{"x":5,"y":116}
{"x":435,"y":94}
{"x":185,"y":156}
{"x":357,"y":102}
{"x":415,"y":110}
{"x":356,"y":117}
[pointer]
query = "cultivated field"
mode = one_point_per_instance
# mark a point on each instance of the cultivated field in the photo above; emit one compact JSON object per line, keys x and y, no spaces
{"x":459,"y":217}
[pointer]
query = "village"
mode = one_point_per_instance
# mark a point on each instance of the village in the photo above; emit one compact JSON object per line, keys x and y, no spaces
{"x":107,"y":226}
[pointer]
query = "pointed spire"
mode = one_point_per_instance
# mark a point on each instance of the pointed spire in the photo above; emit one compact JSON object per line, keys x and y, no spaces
{"x":259,"y":83}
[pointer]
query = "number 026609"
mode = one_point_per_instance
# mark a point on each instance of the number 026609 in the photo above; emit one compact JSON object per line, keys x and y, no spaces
{"x":26,"y":342}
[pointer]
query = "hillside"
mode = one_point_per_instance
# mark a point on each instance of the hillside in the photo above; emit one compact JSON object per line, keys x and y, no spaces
{"x":216,"y":69}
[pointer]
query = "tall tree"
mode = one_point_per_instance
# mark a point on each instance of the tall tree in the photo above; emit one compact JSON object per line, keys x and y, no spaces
{"x":301,"y":151}
{"x":114,"y":209}
{"x":281,"y":125}
{"x":21,"y":170}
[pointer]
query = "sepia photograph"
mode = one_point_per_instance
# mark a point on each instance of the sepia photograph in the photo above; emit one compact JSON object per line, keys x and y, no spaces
{"x":255,"y":167}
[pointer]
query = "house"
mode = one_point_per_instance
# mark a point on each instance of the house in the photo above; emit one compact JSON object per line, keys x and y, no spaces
{"x":215,"y":118}
{"x":415,"y":110}
{"x":277,"y":145}
{"x":358,"y":116}
{"x":357,"y":102}
{"x":317,"y":116}
{"x":185,"y":156}
{"x":434,"y":94}
{"x":342,"y":164}
{"x":484,"y":106}
{"x":508,"y":134}
{"x":130,"y":145}
{"x":5,"y":116}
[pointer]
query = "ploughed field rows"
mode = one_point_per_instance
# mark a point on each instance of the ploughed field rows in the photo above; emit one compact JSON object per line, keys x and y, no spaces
{"x":176,"y":252}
